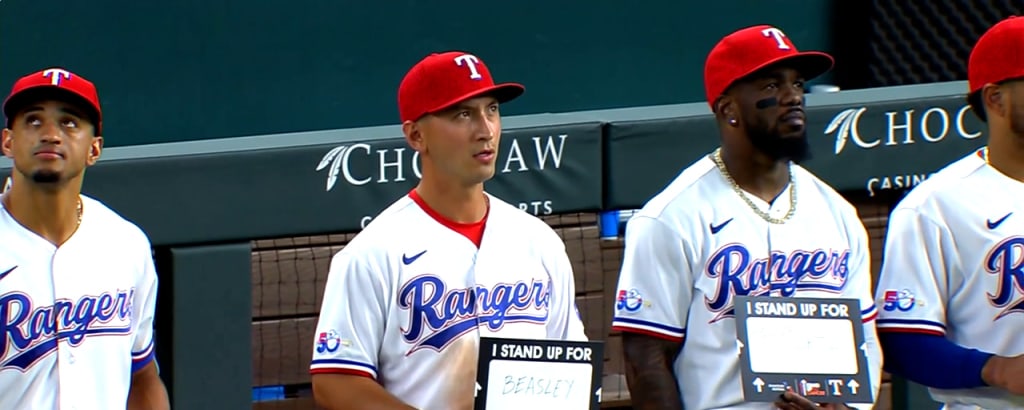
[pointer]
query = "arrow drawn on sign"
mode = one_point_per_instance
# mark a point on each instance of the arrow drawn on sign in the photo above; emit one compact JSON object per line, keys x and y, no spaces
{"x":478,"y":388}
{"x":598,"y":394}
{"x":853,"y":385}
{"x":759,"y":384}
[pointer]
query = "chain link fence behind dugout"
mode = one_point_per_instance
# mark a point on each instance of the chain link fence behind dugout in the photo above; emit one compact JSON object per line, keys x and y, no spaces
{"x":900,"y":42}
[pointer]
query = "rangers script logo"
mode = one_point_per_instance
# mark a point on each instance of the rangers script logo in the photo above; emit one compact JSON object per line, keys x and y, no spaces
{"x":1006,"y":260}
{"x":738,"y":273}
{"x":438,"y":315}
{"x":29,"y":332}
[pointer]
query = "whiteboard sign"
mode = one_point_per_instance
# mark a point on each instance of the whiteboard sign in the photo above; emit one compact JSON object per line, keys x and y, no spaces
{"x":516,"y":374}
{"x":824,"y":346}
{"x":814,"y":347}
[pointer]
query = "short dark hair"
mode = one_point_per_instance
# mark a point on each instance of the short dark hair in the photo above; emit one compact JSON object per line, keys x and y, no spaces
{"x":974,"y":100}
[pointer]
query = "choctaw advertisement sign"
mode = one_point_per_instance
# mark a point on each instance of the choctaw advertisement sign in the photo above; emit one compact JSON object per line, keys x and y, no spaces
{"x":336,"y":187}
{"x":542,"y":171}
{"x":581,"y":166}
{"x":870,"y":147}
{"x":892,"y":146}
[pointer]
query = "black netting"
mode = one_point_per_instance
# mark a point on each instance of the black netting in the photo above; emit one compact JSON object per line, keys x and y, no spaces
{"x":899,"y":42}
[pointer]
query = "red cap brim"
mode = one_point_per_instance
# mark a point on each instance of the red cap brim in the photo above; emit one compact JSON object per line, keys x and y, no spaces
{"x":503,"y":92}
{"x":810,"y":64}
{"x":19,"y":101}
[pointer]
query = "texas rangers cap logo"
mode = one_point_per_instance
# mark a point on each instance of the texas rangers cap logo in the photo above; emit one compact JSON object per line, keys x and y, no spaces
{"x":442,"y":80}
{"x":745,"y":51}
{"x":56,"y":75}
{"x":470,"y":61}
{"x":77,"y":87}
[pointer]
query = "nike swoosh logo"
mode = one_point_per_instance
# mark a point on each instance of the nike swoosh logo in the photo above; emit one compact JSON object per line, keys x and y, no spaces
{"x":7,"y":272}
{"x":715,"y":229}
{"x":994,"y":225}
{"x":407,"y":259}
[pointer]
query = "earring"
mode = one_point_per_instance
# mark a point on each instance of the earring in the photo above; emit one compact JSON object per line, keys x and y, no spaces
{"x":732,"y":121}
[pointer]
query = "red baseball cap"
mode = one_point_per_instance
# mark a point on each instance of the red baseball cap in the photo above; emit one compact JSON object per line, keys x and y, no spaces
{"x":54,"y":80}
{"x":750,"y":49}
{"x":998,"y":55}
{"x":442,"y":80}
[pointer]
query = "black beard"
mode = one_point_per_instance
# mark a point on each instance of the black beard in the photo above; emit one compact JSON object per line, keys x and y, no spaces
{"x":772,"y":144}
{"x":45,"y":177}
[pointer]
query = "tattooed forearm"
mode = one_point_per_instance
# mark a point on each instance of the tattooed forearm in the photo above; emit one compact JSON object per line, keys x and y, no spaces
{"x":652,"y":384}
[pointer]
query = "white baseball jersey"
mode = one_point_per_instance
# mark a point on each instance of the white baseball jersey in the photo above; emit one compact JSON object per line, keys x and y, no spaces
{"x":696,"y":245}
{"x":954,"y":266}
{"x":75,"y":321}
{"x":408,"y":299}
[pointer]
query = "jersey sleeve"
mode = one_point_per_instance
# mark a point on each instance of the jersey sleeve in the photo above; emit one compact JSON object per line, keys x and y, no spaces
{"x":565,"y":322}
{"x":859,"y":286}
{"x":655,"y":285}
{"x":859,"y":271}
{"x":144,"y":303}
{"x":351,"y":326}
{"x":913,"y":285}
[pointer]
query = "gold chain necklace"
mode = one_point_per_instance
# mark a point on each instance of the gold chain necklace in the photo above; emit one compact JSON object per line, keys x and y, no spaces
{"x":79,"y":212}
{"x":717,"y":158}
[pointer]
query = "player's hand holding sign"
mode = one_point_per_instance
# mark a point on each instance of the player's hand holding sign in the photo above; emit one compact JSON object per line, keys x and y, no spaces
{"x":793,"y":401}
{"x":746,"y":220}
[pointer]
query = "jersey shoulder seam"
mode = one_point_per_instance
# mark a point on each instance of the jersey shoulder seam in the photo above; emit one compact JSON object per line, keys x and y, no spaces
{"x":501,"y":207}
{"x":109,"y":215}
{"x":687,"y":180}
{"x":941,"y":183}
{"x":662,"y":225}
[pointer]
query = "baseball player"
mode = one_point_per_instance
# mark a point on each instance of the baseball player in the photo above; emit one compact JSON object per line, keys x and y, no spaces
{"x":77,"y":282}
{"x":408,"y":299}
{"x":743,"y":220}
{"x":952,"y":281}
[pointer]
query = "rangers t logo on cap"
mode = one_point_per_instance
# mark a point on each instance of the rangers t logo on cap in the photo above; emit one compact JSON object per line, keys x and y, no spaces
{"x":471,"y":62}
{"x":440,"y":81}
{"x":748,"y":50}
{"x":56,"y":74}
{"x":75,"y":86}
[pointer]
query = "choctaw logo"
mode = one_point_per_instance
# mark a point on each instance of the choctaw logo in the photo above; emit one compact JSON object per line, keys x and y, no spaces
{"x":397,"y":158}
{"x":380,"y":165}
{"x":902,"y":127}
